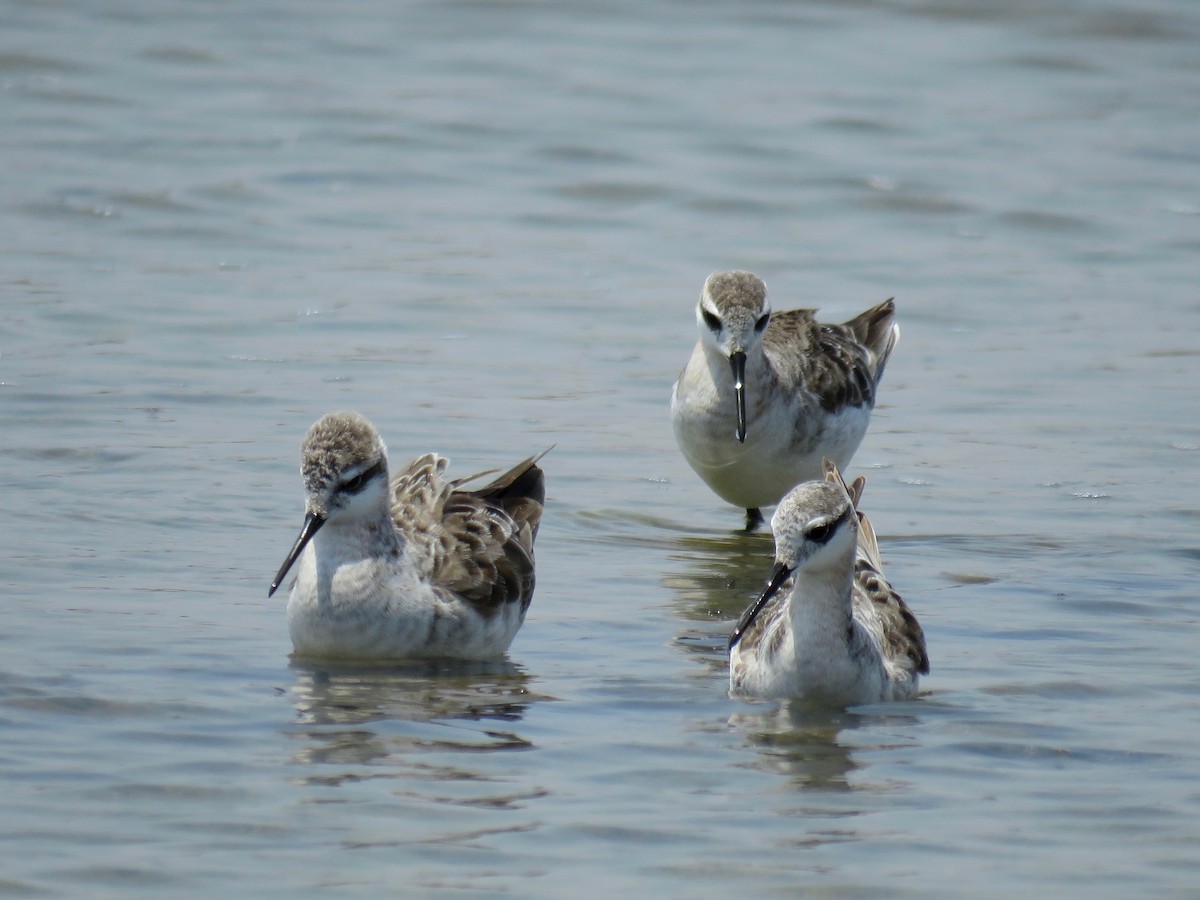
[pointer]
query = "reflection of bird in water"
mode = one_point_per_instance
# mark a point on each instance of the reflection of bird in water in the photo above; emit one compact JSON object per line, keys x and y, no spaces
{"x":722,"y":572}
{"x":421,"y":691}
{"x":800,"y":742}
{"x":807,"y":743}
{"x":363,"y":714}
{"x":713,"y":577}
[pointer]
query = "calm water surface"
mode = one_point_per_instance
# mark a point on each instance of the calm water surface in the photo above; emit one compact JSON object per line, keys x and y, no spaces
{"x":485,"y":225}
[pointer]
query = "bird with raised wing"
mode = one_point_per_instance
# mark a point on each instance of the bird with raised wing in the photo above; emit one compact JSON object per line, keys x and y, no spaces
{"x":412,"y":566}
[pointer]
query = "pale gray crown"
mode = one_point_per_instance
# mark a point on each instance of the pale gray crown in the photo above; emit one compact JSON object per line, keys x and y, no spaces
{"x":737,"y":291}
{"x":338,"y":443}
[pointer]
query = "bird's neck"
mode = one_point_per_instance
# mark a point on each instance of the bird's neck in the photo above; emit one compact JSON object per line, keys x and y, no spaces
{"x":348,"y":540}
{"x":821,"y":607}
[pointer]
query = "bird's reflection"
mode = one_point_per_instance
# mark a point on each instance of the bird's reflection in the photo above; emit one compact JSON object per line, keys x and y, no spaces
{"x":353,"y":694}
{"x":370,"y":715}
{"x":714,"y":577}
{"x":718,"y":574}
{"x":814,"y":747}
{"x":807,"y":745}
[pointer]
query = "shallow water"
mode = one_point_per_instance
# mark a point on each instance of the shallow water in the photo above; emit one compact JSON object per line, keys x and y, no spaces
{"x":485,"y":225}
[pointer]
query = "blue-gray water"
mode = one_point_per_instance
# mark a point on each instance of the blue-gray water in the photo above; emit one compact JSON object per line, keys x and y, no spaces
{"x":485,"y":225}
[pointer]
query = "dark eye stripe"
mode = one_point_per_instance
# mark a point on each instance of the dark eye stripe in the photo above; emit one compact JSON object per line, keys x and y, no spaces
{"x":711,"y":320}
{"x":359,"y":481}
{"x":820,"y":534}
{"x":761,"y":325}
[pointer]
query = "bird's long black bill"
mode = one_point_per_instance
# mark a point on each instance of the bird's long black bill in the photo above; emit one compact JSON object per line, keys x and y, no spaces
{"x":779,"y":575}
{"x":312,"y":523}
{"x":737,"y":362}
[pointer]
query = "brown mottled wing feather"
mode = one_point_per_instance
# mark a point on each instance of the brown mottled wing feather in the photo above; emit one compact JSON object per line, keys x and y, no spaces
{"x":418,"y":492}
{"x":883,"y":609}
{"x":840,"y":364}
{"x":479,"y":543}
{"x":868,"y":544}
{"x":854,"y":490}
{"x":876,"y":330}
{"x":885,"y":612}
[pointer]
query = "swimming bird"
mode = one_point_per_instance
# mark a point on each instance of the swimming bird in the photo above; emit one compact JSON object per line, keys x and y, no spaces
{"x":828,"y":627}
{"x":765,"y":396}
{"x":415,"y":566}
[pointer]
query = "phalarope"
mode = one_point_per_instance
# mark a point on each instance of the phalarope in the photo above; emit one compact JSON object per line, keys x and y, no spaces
{"x":766,"y":396}
{"x":828,"y":627}
{"x":411,"y":567}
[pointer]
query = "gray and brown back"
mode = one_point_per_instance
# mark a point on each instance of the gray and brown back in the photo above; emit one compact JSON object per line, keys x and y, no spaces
{"x":475,"y":544}
{"x":841,"y":364}
{"x":877,"y":605}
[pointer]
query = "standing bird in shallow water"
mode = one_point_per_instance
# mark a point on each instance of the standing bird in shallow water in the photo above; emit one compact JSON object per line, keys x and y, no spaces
{"x":828,"y":627}
{"x":414,"y":566}
{"x":765,"y":396}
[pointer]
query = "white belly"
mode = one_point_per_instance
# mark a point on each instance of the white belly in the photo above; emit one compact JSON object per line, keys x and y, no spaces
{"x":783,"y":447}
{"x":365,"y":613}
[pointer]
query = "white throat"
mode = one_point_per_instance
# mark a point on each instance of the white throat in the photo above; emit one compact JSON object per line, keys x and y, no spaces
{"x":821,"y":607}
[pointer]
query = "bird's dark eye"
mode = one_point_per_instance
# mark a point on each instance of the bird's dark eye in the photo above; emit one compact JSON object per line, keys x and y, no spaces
{"x":821,"y":534}
{"x":359,"y":481}
{"x":761,"y":325}
{"x":711,"y":320}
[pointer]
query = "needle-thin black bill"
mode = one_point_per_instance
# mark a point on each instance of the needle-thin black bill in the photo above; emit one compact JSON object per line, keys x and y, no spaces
{"x":779,"y":575}
{"x":312,"y":522}
{"x":737,"y":362}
